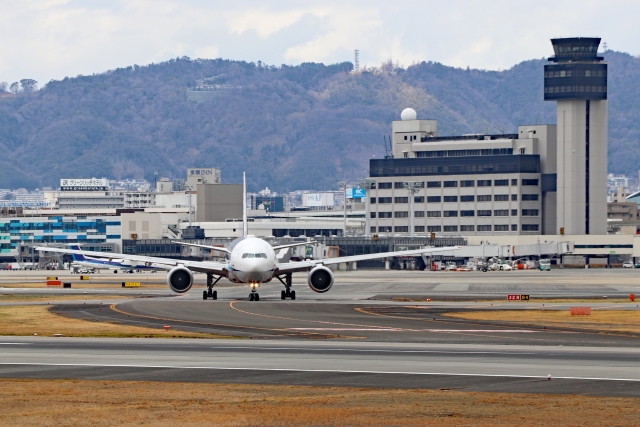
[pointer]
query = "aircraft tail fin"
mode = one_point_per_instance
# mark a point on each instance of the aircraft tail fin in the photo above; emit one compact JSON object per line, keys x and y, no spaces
{"x":77,"y":257}
{"x":245,"y":225}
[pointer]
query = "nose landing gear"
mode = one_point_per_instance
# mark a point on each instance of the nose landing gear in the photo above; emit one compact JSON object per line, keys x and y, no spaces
{"x":254,"y":295}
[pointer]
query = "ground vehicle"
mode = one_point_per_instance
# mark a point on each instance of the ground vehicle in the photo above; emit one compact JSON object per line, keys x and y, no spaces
{"x":544,"y":264}
{"x":627,"y":264}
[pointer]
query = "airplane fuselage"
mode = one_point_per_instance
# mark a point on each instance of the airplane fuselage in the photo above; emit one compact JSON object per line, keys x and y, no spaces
{"x":252,"y":260}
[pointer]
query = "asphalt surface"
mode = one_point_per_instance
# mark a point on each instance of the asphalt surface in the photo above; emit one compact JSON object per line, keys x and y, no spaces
{"x":373,"y":329}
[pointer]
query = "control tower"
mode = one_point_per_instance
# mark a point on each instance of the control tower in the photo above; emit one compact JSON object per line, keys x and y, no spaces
{"x":576,"y":78}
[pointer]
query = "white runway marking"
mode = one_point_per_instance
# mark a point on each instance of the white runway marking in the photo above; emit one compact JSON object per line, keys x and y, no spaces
{"x":510,"y":331}
{"x":92,"y":365}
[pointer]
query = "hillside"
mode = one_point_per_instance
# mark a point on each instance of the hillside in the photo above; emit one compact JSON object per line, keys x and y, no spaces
{"x":289,"y":127}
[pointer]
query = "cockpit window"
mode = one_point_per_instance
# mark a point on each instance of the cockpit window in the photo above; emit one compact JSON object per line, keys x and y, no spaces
{"x":254,"y":255}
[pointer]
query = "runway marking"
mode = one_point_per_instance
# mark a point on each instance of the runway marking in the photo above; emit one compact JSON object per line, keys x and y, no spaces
{"x":15,"y":343}
{"x":231,"y":304}
{"x":340,"y":371}
{"x":510,"y":331}
{"x":165,"y":319}
{"x":359,"y":350}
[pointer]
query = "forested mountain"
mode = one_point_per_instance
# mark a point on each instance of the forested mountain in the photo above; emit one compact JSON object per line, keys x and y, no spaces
{"x":289,"y":127}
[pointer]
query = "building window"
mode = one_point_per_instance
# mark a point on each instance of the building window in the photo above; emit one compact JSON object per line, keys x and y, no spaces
{"x":501,"y":197}
{"x":434,"y":214}
{"x":384,"y":214}
{"x":433,"y":199}
{"x":401,"y":229}
{"x":514,"y":227}
{"x":450,"y":213}
{"x":398,"y":185}
{"x":530,"y":212}
{"x":529,"y":182}
{"x":384,"y":200}
{"x":501,"y":212}
{"x":529,"y":197}
{"x":514,"y":212}
{"x":501,"y":183}
{"x":405,"y":137}
{"x":502,"y":227}
{"x":372,"y":200}
{"x":467,"y":213}
{"x":470,"y":183}
{"x":450,"y":199}
{"x":384,"y":185}
{"x":434,"y":184}
{"x":484,"y":228}
{"x":419,"y":214}
{"x":514,"y":181}
{"x":418,"y":199}
{"x":450,"y":228}
{"x":514,"y":197}
{"x":484,"y":213}
{"x":467,"y":228}
{"x":401,"y":200}
{"x":434,"y":228}
{"x":484,"y":183}
{"x":373,"y":214}
{"x":529,"y":227}
{"x":484,"y":198}
{"x":372,"y":229}
{"x":384,"y":229}
{"x":401,"y":214}
{"x":467,"y":198}
{"x":451,"y":183}
{"x":419,"y":228}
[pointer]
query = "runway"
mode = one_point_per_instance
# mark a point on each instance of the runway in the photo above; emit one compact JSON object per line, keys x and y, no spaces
{"x":373,"y":329}
{"x":592,"y":371}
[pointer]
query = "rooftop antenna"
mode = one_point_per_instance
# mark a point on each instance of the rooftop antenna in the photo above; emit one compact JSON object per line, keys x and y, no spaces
{"x":356,"y":62}
{"x":387,"y":149}
{"x":604,"y":46}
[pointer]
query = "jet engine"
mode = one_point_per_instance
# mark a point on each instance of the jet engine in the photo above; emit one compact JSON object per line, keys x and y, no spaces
{"x":320,"y":279}
{"x":180,"y":279}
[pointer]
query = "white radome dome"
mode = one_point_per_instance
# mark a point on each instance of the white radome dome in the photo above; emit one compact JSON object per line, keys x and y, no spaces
{"x":408,"y":114}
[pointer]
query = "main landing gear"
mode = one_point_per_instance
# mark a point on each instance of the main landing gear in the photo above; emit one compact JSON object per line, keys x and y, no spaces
{"x":210,"y":293}
{"x":254,"y":296}
{"x":287,"y":293}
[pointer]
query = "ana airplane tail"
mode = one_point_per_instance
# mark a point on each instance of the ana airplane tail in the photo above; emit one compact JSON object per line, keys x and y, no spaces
{"x":77,"y":257}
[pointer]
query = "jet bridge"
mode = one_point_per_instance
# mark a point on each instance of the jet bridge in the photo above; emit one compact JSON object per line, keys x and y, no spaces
{"x":538,"y":250}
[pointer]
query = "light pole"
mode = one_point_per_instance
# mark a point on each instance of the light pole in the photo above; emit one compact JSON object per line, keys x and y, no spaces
{"x":413,"y":187}
{"x":343,"y":186}
{"x":366,"y":184}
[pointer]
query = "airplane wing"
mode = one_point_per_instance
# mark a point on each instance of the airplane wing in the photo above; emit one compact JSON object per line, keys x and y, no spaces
{"x":290,"y":245}
{"x":165,"y":263}
{"x":215,"y":248}
{"x":289,"y":267}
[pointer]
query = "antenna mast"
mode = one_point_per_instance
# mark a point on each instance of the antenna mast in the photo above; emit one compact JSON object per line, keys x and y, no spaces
{"x":356,"y":62}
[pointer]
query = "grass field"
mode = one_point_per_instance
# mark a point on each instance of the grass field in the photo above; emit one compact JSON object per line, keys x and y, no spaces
{"x":123,"y":403}
{"x":53,"y":298}
{"x":38,"y":319}
{"x":599,"y":320}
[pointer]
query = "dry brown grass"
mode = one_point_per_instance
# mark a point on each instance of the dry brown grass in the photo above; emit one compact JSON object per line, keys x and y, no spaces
{"x":38,"y":319}
{"x":86,"y":285}
{"x":122,"y":403}
{"x":599,"y":320}
{"x":55,"y":298}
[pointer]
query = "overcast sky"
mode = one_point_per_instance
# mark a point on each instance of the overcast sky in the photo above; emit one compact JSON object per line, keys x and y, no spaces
{"x":51,"y":39}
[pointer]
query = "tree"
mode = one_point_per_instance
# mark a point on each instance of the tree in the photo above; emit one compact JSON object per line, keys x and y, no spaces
{"x":3,"y":86}
{"x":15,"y":87}
{"x":29,"y":85}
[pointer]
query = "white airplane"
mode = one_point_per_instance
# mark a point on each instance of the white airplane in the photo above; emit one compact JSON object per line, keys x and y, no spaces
{"x":109,"y":264}
{"x":250,"y":260}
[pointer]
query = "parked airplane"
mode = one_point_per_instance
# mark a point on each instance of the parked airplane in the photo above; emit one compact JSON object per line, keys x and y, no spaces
{"x":81,"y":258}
{"x":250,"y":260}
